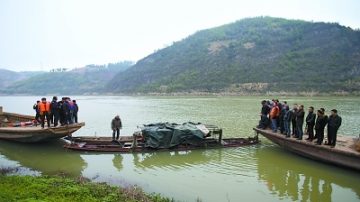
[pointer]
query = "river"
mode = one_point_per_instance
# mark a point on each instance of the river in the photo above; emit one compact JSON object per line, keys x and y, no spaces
{"x":263,"y":172}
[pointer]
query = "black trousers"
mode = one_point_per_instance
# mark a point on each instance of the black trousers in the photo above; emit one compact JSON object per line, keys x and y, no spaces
{"x":75,"y":117}
{"x":55,"y":117}
{"x":320,"y":136}
{"x":332,"y":134}
{"x":117,"y":130}
{"x":42,"y":117}
{"x":294,"y":128}
{"x":310,"y":130}
{"x":37,"y":117}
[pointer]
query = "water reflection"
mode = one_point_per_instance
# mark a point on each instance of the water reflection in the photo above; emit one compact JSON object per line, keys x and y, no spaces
{"x":174,"y":160}
{"x":290,"y":176}
{"x":117,"y":161}
{"x":48,"y":158}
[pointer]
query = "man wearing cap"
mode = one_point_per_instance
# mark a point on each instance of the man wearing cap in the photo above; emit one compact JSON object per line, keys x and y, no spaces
{"x":334,"y":124}
{"x":116,"y":125}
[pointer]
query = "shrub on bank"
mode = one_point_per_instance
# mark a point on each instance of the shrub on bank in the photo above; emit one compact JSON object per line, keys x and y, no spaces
{"x":46,"y":188}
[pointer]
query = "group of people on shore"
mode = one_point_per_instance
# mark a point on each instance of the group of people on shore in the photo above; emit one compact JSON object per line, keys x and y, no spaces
{"x":64,"y":111}
{"x":279,"y":116}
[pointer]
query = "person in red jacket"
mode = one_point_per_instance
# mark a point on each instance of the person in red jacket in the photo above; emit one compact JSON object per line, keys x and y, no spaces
{"x":44,"y":110}
{"x":274,"y":114}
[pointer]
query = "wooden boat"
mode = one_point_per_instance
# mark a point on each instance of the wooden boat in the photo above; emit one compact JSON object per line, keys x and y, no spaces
{"x":126,"y":144}
{"x":27,"y":132}
{"x":344,"y":154}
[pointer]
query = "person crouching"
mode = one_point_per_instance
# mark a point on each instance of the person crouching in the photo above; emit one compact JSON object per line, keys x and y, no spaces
{"x":116,"y":125}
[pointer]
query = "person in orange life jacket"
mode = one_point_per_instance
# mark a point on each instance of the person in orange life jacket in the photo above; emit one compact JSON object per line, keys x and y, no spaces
{"x":37,"y":115}
{"x":274,"y":114}
{"x":44,"y":110}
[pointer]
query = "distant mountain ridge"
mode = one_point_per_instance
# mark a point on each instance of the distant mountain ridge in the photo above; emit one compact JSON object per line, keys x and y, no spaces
{"x":259,"y":54}
{"x":86,"y":80}
{"x":8,"y":77}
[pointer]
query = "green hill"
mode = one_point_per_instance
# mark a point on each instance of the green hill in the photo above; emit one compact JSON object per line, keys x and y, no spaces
{"x":252,"y":55}
{"x":8,"y":77}
{"x":86,"y":80}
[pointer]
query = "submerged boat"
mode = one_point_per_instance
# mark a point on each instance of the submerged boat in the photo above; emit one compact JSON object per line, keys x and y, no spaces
{"x":161,"y":137}
{"x":20,"y":128}
{"x":344,"y":154}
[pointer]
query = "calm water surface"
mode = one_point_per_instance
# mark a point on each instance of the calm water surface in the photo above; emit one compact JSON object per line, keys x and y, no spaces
{"x":260,"y":173}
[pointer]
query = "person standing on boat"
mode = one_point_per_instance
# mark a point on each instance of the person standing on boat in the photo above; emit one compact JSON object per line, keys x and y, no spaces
{"x":287,"y":120}
{"x":320,"y":126}
{"x":264,"y":120}
{"x":37,"y":115}
{"x":334,"y":124}
{"x":76,"y":110}
{"x":310,"y":123}
{"x":54,"y":116}
{"x":116,"y":125}
{"x":293,"y":120}
{"x":300,"y":114}
{"x":274,"y":114}
{"x":44,"y":109}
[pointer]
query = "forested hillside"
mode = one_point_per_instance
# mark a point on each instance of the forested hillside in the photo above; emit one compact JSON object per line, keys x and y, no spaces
{"x":252,"y":55}
{"x":8,"y":77}
{"x":87,"y":80}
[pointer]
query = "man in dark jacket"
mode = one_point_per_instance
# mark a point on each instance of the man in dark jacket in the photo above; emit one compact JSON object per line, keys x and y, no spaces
{"x":54,"y":108}
{"x":37,"y":111}
{"x":264,"y":120}
{"x":310,"y":123}
{"x":300,"y":114}
{"x":76,"y":110}
{"x":320,"y":124}
{"x":293,"y":120}
{"x":334,"y":123}
{"x":286,"y":120}
{"x":116,"y":125}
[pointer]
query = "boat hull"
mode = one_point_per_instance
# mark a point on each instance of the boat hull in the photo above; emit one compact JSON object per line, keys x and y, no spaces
{"x":104,"y":144}
{"x":37,"y":134}
{"x":343,"y":154}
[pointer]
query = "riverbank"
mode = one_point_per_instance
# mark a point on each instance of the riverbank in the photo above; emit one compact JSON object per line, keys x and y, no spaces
{"x":219,"y":93}
{"x":62,"y":188}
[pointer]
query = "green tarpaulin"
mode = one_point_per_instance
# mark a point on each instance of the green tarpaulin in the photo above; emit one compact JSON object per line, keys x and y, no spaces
{"x":167,"y":135}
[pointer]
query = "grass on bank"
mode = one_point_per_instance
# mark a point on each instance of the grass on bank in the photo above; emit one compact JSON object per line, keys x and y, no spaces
{"x":57,"y":188}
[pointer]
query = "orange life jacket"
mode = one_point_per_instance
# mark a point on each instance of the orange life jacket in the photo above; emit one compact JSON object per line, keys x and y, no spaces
{"x":44,"y":107}
{"x":274,"y":113}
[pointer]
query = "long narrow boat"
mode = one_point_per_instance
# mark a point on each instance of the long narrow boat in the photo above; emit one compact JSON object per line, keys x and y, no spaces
{"x":126,"y":144}
{"x":344,"y":154}
{"x":18,"y":127}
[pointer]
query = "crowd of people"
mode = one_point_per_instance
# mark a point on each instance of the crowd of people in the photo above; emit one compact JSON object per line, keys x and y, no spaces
{"x":290,"y":122}
{"x":64,"y":111}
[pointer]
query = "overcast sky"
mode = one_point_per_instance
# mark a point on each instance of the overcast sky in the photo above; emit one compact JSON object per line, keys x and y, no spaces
{"x":45,"y":34}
